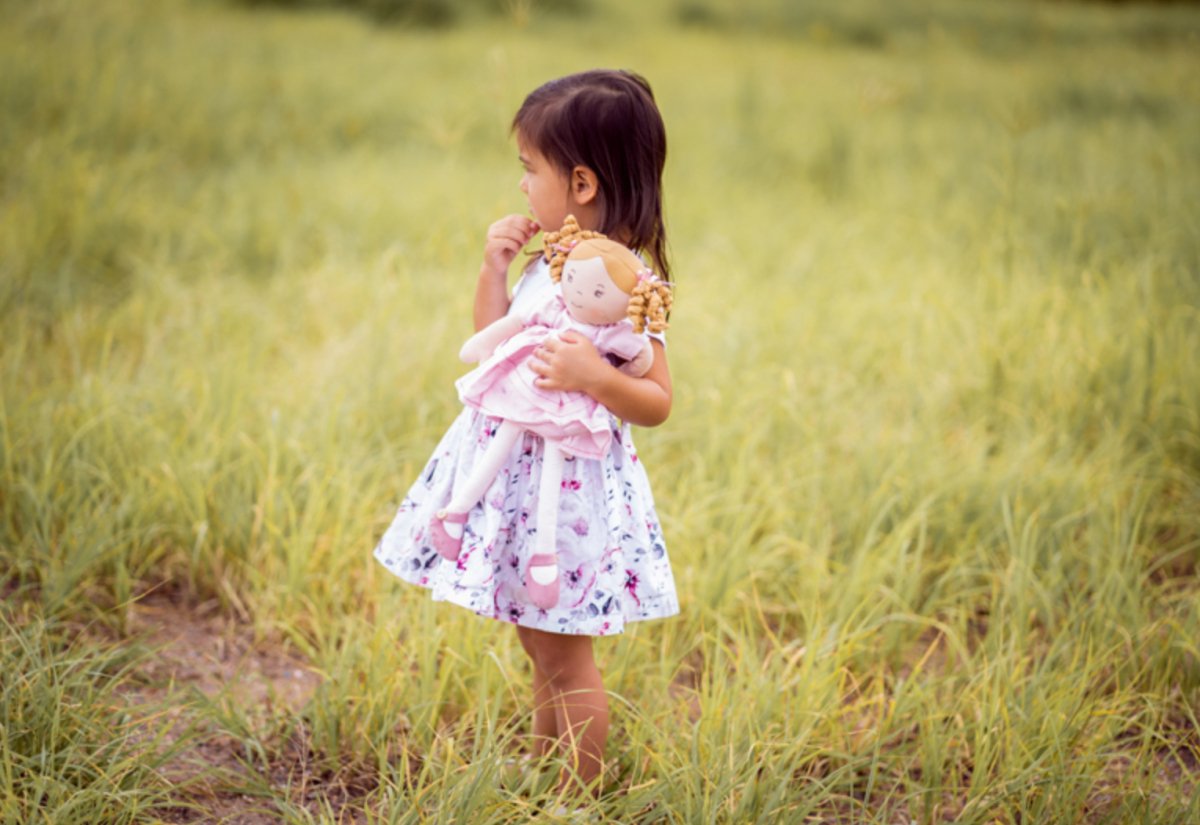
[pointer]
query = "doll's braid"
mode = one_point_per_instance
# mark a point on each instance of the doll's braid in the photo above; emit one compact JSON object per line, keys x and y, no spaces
{"x":650,"y":301}
{"x":558,"y":245}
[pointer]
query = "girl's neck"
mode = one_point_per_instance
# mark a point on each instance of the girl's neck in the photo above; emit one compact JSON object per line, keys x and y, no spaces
{"x":621,"y":236}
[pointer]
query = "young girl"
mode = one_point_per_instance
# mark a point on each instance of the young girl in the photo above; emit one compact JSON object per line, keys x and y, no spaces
{"x":592,"y":145}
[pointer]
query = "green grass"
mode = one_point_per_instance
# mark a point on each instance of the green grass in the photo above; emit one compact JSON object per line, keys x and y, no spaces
{"x":75,"y":744}
{"x":931,"y":485}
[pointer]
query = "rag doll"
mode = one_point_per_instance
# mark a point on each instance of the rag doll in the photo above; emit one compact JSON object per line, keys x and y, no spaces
{"x":606,"y":294}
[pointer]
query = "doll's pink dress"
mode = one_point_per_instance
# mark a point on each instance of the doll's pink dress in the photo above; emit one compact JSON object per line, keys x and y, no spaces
{"x":612,"y":555}
{"x":504,"y":384}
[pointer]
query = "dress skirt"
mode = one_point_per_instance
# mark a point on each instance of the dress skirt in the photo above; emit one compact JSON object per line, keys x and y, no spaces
{"x":613,"y":563}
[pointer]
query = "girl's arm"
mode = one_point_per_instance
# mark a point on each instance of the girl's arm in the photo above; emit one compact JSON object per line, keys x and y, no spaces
{"x":491,"y":297}
{"x":505,"y":238}
{"x":571,"y":362}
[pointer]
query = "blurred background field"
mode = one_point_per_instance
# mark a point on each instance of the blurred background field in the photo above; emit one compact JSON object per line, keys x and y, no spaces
{"x":931,"y":486}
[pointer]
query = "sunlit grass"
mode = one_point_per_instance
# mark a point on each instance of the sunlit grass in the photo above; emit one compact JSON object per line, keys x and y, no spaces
{"x":75,"y":746}
{"x":931,"y":485}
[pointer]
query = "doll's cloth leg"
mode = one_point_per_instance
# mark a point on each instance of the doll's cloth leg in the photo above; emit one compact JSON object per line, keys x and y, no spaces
{"x":471,"y":490}
{"x":446,"y":529}
{"x":549,"y":490}
{"x":447,"y":544}
{"x":542,"y":577}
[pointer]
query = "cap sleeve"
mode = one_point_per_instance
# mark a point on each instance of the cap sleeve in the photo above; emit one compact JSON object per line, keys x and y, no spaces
{"x":620,"y":339}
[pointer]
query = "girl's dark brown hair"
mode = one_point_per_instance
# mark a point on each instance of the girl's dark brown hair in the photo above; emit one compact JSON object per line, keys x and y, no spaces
{"x":607,"y":121}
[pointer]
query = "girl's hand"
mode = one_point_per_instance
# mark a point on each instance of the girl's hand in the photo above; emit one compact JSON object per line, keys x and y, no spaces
{"x":568,"y":362}
{"x":571,"y":362}
{"x":505,"y":238}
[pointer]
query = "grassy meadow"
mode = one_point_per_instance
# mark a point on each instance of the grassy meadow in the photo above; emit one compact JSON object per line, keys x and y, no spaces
{"x":930,"y":487}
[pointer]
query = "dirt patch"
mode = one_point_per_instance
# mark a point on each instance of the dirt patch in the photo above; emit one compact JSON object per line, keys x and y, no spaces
{"x":197,"y":648}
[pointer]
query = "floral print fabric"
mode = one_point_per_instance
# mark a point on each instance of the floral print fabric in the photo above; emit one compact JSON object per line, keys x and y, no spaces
{"x":612,"y":558}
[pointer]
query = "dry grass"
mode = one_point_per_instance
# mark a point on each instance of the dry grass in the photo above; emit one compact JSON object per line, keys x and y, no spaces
{"x":930,"y":485}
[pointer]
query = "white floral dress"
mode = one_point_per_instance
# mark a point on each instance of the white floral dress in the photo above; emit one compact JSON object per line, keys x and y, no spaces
{"x":612,"y":558}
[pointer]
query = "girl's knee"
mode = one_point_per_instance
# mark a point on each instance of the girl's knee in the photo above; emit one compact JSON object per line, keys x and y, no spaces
{"x":561,"y":657}
{"x":525,"y":636}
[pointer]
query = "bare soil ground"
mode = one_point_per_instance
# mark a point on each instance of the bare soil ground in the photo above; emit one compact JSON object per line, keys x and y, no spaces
{"x":197,"y":650}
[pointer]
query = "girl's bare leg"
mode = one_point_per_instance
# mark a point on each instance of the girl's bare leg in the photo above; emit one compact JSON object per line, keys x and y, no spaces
{"x":545,"y":721}
{"x":579,"y":701}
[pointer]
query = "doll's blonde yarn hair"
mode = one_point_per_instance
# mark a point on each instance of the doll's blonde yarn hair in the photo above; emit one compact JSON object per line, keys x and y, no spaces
{"x":650,"y":303}
{"x":649,"y":295}
{"x":558,"y":245}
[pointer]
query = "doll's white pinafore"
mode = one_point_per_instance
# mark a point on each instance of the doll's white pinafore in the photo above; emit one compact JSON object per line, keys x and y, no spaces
{"x":612,"y":559}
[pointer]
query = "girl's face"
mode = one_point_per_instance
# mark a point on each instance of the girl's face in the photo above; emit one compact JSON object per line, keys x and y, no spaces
{"x":547,"y":188}
{"x":590,"y":293}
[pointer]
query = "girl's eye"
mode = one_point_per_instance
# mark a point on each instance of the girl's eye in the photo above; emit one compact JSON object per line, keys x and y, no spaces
{"x":599,"y":293}
{"x":570,"y":278}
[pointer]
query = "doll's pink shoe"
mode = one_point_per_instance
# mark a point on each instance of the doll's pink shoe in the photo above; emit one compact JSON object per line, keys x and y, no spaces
{"x":448,"y":546}
{"x":541,"y":580}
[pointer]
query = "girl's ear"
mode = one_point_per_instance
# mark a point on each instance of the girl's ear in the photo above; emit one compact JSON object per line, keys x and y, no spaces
{"x":585,"y":186}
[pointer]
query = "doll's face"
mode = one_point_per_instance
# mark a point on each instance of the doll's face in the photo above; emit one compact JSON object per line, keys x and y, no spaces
{"x":591,"y":295}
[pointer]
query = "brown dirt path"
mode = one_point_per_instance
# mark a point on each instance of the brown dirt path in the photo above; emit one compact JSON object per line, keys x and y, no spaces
{"x":197,"y":648}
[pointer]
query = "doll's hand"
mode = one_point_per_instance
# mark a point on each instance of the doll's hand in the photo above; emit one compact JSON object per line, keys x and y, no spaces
{"x":483,"y":343}
{"x":473,"y":351}
{"x":568,"y":362}
{"x":641,"y":363}
{"x":505,"y":238}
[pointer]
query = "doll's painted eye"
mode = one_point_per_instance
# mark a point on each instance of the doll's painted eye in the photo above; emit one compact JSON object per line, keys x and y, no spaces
{"x":570,"y":278}
{"x":599,"y":293}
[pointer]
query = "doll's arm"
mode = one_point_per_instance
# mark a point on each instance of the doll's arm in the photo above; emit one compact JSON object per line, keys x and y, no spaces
{"x":483,"y":343}
{"x":640,"y":364}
